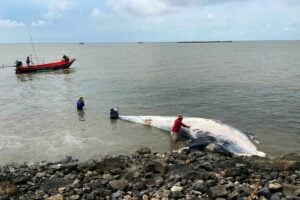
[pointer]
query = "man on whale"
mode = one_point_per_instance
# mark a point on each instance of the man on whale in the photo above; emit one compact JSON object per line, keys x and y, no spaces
{"x":176,"y":127}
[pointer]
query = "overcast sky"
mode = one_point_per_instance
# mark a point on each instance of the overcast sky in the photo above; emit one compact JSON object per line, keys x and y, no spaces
{"x":148,"y":20}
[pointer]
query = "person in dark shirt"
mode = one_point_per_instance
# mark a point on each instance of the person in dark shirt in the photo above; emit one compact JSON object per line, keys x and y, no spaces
{"x":80,"y":103}
{"x":176,"y":127}
{"x":66,"y":58}
{"x":114,"y":114}
{"x":28,"y":61}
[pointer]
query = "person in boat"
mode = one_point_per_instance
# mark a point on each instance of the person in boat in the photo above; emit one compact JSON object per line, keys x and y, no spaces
{"x":176,"y":127}
{"x":28,"y":61}
{"x":80,"y":103}
{"x":114,"y":113}
{"x":66,"y":58}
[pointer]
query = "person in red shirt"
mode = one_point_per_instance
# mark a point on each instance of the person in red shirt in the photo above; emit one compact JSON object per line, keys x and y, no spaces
{"x":176,"y":127}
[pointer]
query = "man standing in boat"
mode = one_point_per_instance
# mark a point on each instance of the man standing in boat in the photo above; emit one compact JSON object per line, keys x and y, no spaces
{"x":28,"y":61}
{"x":66,"y":58}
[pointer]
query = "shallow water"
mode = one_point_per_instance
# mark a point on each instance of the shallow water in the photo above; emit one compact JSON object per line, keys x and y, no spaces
{"x":253,"y":86}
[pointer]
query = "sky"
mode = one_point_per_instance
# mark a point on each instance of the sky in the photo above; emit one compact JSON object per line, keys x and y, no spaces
{"x":148,"y":20}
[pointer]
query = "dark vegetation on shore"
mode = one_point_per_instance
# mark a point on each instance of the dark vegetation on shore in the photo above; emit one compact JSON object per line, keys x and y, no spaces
{"x":146,"y":175}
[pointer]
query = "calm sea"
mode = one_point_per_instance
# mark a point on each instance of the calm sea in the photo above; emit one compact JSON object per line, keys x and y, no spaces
{"x":253,"y":86}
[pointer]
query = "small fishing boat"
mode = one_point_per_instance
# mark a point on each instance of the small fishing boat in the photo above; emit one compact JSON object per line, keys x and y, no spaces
{"x":62,"y":64}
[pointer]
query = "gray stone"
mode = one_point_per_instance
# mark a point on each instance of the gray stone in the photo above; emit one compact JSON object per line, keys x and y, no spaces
{"x":264,"y":192}
{"x":217,"y":191}
{"x":161,"y":166}
{"x":144,"y":150}
{"x":200,"y":186}
{"x":232,"y":172}
{"x":139,"y":186}
{"x":118,"y":184}
{"x":109,"y":163}
{"x":117,"y":194}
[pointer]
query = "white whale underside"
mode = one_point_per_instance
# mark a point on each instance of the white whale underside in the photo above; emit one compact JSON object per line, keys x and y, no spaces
{"x":232,"y":139}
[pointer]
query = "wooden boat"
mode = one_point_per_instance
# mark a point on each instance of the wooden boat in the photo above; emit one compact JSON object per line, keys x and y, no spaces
{"x":62,"y":64}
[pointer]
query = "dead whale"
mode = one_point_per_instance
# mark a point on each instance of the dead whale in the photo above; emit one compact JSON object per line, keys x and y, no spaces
{"x":205,"y":131}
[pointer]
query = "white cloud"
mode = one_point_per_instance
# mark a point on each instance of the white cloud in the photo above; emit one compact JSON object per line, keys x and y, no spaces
{"x":158,"y":7}
{"x":142,"y":7}
{"x":288,"y":28}
{"x":210,"y":16}
{"x":38,"y":23}
{"x":56,"y":8}
{"x":6,"y":23}
{"x":95,"y":12}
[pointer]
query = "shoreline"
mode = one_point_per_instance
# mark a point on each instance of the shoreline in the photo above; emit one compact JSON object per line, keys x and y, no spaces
{"x":147,"y":175}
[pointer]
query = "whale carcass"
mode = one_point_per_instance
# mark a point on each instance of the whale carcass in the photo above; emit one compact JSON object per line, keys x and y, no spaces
{"x":229,"y":138}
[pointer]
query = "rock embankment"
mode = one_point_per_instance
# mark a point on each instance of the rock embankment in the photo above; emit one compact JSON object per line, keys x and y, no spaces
{"x":146,"y":175}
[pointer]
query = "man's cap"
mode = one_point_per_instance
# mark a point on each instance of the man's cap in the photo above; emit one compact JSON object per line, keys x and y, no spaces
{"x":180,"y":116}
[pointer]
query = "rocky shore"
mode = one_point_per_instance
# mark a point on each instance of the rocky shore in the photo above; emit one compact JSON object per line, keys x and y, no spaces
{"x":148,"y":175}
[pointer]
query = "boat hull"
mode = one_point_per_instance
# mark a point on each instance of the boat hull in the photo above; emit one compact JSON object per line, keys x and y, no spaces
{"x":43,"y":67}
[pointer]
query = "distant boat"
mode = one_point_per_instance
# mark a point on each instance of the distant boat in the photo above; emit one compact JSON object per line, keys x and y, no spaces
{"x":81,"y":43}
{"x":140,"y":42}
{"x":62,"y":64}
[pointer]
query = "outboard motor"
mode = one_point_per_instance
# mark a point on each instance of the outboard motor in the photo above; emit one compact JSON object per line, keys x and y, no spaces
{"x":18,"y":63}
{"x":114,"y":114}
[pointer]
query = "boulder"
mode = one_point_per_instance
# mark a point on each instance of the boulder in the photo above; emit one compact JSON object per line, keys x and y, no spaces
{"x":118,"y":184}
{"x":217,"y":191}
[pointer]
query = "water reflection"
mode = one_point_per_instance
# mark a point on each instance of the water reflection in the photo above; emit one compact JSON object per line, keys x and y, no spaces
{"x":25,"y":77}
{"x":64,"y":71}
{"x":33,"y":75}
{"x":81,"y":115}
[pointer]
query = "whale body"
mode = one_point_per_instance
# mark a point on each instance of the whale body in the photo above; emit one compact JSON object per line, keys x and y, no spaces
{"x":226,"y":136}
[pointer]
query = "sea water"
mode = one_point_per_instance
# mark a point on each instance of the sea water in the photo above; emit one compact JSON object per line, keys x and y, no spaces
{"x":253,"y":86}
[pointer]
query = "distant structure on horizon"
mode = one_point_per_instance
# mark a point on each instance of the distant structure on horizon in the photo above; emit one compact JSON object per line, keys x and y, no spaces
{"x":217,"y":41}
{"x":81,"y":43}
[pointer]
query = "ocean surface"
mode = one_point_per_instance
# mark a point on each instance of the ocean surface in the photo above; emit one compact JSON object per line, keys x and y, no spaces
{"x":253,"y":86}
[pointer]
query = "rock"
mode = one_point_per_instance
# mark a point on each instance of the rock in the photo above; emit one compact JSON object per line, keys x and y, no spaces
{"x":4,"y":197}
{"x":275,"y":186}
{"x":291,"y":190}
{"x":274,"y":175}
{"x":56,"y":197}
{"x":21,"y":180}
{"x":265,"y":192}
{"x":233,"y":195}
{"x":139,"y":186}
{"x":200,"y":186}
{"x":7,"y":188}
{"x":232,"y":172}
{"x":117,"y":194}
{"x":75,"y":197}
{"x":66,"y":159}
{"x":116,"y":171}
{"x":144,"y":150}
{"x":149,"y":175}
{"x":160,"y":166}
{"x":108,"y":164}
{"x":217,"y":191}
{"x":211,"y":183}
{"x":176,"y":189}
{"x":55,"y":184}
{"x":118,"y":184}
{"x":89,"y":165}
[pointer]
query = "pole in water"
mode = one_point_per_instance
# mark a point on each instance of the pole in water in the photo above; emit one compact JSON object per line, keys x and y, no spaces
{"x":34,"y":50}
